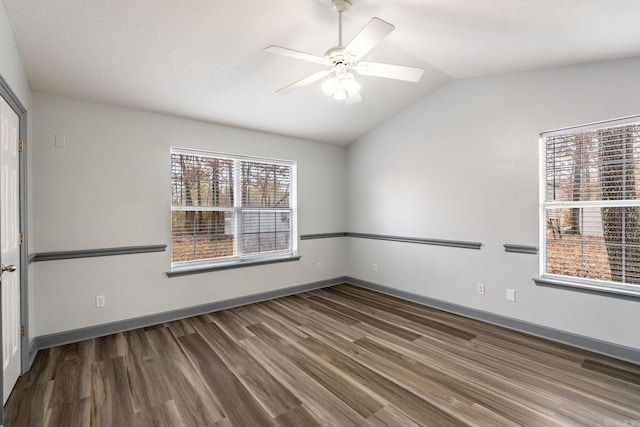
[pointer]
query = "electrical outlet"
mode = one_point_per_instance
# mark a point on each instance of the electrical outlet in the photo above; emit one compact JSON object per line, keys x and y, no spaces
{"x":319,"y":266}
{"x":511,"y":295}
{"x":375,"y":267}
{"x":100,"y":302}
{"x":480,"y":289}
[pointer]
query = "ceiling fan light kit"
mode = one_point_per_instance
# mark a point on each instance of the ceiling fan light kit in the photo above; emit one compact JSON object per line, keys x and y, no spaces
{"x":340,"y":59}
{"x":342,"y":86}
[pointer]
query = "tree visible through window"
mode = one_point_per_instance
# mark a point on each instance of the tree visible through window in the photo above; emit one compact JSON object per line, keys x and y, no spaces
{"x":229,"y":207}
{"x":592,"y":203}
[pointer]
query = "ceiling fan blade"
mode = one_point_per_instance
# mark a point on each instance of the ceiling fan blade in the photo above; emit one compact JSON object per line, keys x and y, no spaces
{"x":370,"y":35}
{"x":304,"y":82}
{"x":279,"y":50}
{"x":350,"y":100}
{"x":389,"y":71}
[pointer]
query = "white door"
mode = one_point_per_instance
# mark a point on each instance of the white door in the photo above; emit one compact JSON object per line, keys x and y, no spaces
{"x":9,"y":246}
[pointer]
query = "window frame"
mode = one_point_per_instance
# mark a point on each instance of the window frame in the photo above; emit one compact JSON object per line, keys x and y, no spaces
{"x":238,"y":259}
{"x":569,"y":282}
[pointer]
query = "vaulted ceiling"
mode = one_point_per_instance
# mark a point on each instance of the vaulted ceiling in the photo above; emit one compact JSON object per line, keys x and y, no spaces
{"x":204,"y":59}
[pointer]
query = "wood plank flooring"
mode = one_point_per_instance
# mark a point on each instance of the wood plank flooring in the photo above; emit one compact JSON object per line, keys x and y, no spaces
{"x":340,"y":356}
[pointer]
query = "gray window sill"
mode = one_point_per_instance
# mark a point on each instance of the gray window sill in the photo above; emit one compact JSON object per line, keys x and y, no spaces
{"x":185,"y":271}
{"x":620,"y":291}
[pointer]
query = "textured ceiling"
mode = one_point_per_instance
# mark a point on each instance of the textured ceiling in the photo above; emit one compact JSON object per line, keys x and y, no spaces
{"x":204,"y":59}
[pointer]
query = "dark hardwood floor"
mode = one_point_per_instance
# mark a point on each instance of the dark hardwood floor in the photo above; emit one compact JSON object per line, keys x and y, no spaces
{"x":341,"y":356}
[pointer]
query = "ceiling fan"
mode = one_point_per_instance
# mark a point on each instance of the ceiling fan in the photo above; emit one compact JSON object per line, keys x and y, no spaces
{"x":341,"y":59}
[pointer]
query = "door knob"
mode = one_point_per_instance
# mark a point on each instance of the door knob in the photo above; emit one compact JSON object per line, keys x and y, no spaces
{"x":8,"y":268}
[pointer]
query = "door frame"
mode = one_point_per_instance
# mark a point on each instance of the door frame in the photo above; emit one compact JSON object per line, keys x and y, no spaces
{"x":26,"y":358}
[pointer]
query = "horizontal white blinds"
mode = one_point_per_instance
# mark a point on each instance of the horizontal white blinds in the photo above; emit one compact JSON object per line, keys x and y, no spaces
{"x":265,"y":185}
{"x":208,"y":219}
{"x":200,"y":235}
{"x":592,"y":203}
{"x":593,"y":165}
{"x":600,"y":244}
{"x":265,"y":231}
{"x":201,"y":181}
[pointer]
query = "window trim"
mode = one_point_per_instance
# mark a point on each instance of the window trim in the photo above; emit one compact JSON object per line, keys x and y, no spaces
{"x":587,"y":285}
{"x":240,"y":260}
{"x":567,"y":282}
{"x":219,"y":266}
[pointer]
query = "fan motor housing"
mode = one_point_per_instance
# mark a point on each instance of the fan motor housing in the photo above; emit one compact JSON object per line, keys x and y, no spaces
{"x":337,"y":55}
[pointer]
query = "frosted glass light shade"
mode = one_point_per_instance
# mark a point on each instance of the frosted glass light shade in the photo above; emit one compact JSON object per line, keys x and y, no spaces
{"x":341,"y":86}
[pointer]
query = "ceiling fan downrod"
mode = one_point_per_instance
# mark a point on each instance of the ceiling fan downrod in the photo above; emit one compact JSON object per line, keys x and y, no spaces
{"x":340,"y":6}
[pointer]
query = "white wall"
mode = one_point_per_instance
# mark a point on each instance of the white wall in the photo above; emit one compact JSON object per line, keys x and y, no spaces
{"x":11,"y":67}
{"x":110,"y":187}
{"x":463,"y":165}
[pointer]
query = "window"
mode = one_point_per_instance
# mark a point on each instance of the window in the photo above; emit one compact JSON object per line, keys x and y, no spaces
{"x":226,"y":208}
{"x":591,"y":205}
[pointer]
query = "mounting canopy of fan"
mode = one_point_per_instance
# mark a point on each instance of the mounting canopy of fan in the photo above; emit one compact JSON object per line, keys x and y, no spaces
{"x":341,"y":59}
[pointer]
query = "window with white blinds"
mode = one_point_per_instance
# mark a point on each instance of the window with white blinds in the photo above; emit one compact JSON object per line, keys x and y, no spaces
{"x":591,"y":204}
{"x":226,"y":208}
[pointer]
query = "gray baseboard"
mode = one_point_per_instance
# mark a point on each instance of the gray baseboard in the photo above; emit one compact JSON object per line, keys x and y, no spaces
{"x":67,"y":337}
{"x":33,"y":351}
{"x":617,"y":351}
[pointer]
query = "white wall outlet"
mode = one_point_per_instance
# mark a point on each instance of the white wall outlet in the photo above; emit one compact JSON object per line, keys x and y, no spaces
{"x":480,"y":289}
{"x":319,"y":266}
{"x":511,"y":295}
{"x":100,"y":301}
{"x":375,"y":267}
